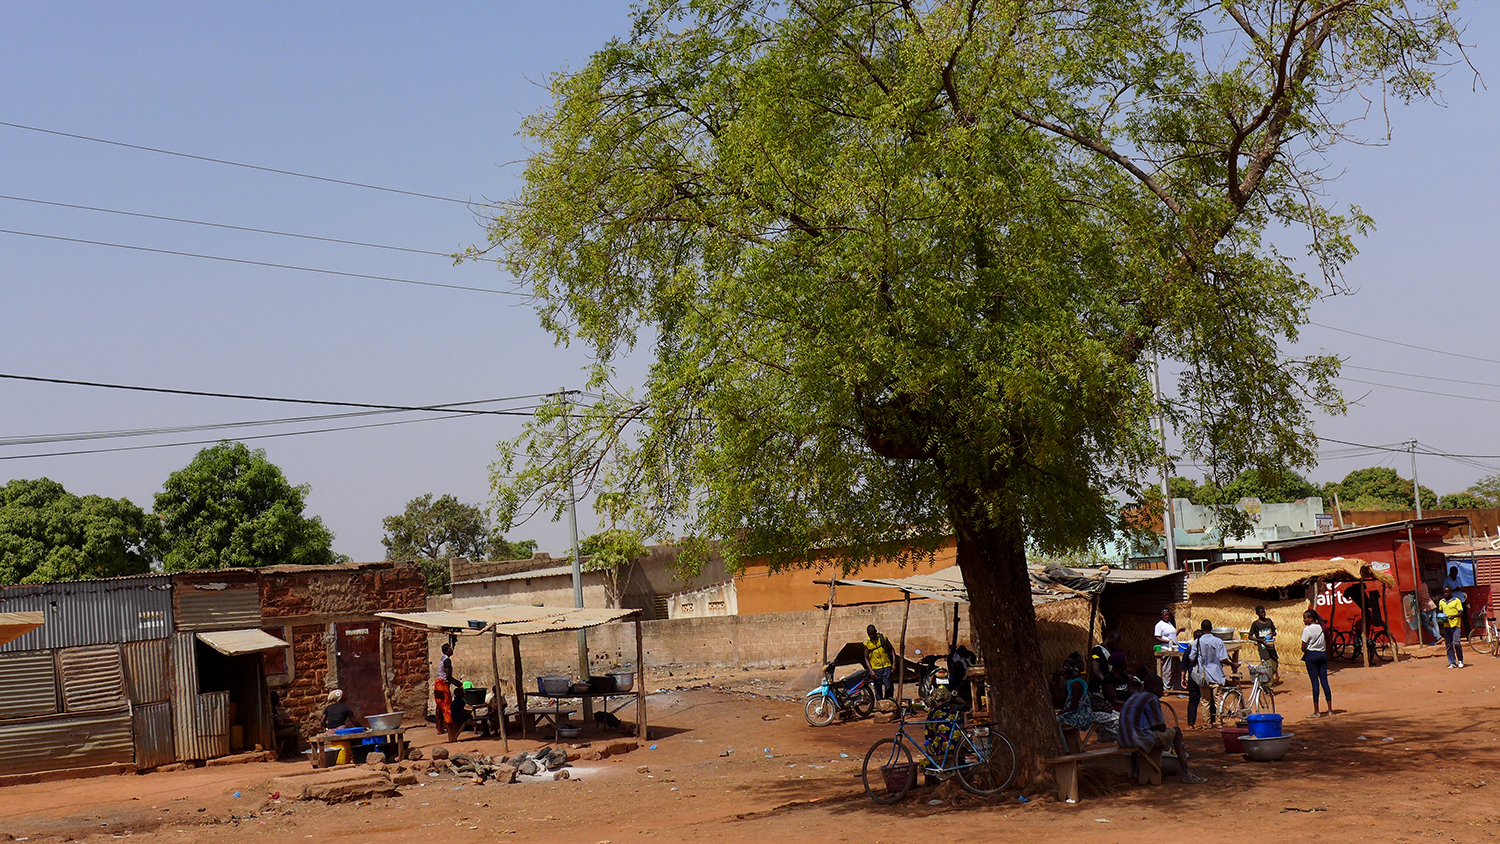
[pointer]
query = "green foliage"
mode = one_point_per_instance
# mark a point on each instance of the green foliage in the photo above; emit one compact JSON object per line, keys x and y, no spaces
{"x":231,"y":507}
{"x":1377,"y":488}
{"x":1487,"y":489}
{"x":1181,"y":487}
{"x":432,"y":532}
{"x":611,"y":549}
{"x":48,"y":533}
{"x":1273,"y":486}
{"x":1463,"y":501}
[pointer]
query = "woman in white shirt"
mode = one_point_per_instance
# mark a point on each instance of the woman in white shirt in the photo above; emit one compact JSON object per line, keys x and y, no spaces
{"x":1315,"y":654}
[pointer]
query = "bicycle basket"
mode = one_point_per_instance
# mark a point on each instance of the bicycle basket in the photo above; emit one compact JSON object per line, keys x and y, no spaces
{"x":897,"y":776}
{"x":1261,"y":671}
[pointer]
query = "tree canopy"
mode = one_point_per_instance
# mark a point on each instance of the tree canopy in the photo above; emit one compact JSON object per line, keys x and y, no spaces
{"x":48,"y":533}
{"x":903,"y":267}
{"x":1377,"y":488}
{"x":232,"y":507}
{"x":434,"y":531}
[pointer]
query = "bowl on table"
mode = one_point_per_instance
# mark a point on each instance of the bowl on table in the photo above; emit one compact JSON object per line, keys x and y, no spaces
{"x":385,"y":721}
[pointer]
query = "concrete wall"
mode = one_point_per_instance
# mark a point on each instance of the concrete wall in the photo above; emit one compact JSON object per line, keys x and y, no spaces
{"x":548,"y":591}
{"x":759,"y":590}
{"x":759,"y":641}
{"x":718,"y":599}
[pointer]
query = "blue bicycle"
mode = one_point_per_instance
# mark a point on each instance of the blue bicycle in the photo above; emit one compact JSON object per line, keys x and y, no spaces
{"x":983,"y":760}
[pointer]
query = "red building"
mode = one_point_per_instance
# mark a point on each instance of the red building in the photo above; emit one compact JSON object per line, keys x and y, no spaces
{"x":1414,"y":550}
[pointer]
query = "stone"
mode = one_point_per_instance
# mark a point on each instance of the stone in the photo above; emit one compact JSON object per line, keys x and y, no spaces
{"x":337,"y":785}
{"x":560,"y":775}
{"x":885,"y":706}
{"x":884,"y":718}
{"x":376,"y":758}
{"x":439,"y":753}
{"x":529,"y":767}
{"x":619,"y":748}
{"x":505,"y":774}
{"x":414,"y":754}
{"x":556,"y":758}
{"x":175,"y":766}
{"x":406,"y":778}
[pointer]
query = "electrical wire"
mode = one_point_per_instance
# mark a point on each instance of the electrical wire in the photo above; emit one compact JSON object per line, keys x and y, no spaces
{"x":223,"y":226}
{"x":233,"y":163}
{"x":1404,"y":345}
{"x":1424,"y":377}
{"x":326,"y":402}
{"x":269,"y":264}
{"x":1417,"y":390}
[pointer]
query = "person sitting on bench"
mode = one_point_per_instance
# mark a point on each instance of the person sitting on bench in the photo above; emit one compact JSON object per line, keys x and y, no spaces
{"x":1143,"y":727}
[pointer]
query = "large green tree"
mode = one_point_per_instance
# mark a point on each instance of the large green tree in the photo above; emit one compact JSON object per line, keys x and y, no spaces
{"x":433,"y":531}
{"x":1377,"y":488}
{"x":231,"y":507}
{"x":902,"y":268}
{"x":48,"y":533}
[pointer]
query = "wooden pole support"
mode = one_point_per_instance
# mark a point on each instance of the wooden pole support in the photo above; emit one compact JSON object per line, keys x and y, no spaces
{"x":499,"y":695}
{"x":640,"y":683}
{"x":828,"y":620}
{"x":515,"y":655}
{"x":901,"y":658}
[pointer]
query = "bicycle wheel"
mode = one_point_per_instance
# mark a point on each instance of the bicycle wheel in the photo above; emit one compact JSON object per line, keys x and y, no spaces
{"x":1382,"y":648}
{"x":1265,"y":701}
{"x":988,"y":760}
{"x":1479,"y":639}
{"x":1231,"y":705}
{"x":820,"y":711}
{"x":889,"y":772}
{"x":864,"y":702}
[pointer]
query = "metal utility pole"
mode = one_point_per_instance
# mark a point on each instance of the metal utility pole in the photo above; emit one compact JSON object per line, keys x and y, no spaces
{"x":583,"y":636}
{"x":1167,"y":522}
{"x":1416,"y":489}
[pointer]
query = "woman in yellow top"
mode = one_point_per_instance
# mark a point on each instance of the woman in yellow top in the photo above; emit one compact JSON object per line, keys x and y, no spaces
{"x":1453,"y":619}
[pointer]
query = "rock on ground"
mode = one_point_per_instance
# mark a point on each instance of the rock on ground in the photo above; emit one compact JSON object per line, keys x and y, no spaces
{"x":339,"y":785}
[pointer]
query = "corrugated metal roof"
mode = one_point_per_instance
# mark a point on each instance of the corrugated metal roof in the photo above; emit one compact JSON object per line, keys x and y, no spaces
{"x":217,"y":606}
{"x":14,"y":625}
{"x":81,"y":741}
{"x":236,"y":642}
{"x":29,"y":681}
{"x":92,"y":612}
{"x":555,"y":571}
{"x":146,"y":671}
{"x":152,"y":725}
{"x":93,"y":678}
{"x":506,"y":619}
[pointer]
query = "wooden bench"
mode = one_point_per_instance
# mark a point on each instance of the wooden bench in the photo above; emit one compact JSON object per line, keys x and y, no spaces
{"x":1065,"y":768}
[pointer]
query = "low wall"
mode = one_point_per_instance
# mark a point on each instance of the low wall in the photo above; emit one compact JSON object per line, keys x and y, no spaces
{"x":768,"y":640}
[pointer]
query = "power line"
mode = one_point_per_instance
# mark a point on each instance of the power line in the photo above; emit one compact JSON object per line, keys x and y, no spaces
{"x":233,"y":163}
{"x":1404,"y":345}
{"x":223,"y":226}
{"x":269,"y":264}
{"x":459,"y":415}
{"x":330,"y":403}
{"x":1425,"y":377}
{"x":1423,"y":392}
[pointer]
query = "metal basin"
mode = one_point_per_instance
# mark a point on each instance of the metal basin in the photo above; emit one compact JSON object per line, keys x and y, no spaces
{"x":1267,"y":749}
{"x":1224,"y":632}
{"x":385,"y":721}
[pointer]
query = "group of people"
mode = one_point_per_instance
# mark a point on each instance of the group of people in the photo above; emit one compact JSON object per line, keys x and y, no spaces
{"x":1444,"y":619}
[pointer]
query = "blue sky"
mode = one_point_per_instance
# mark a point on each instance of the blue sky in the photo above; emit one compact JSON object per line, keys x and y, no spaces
{"x":429,"y":99}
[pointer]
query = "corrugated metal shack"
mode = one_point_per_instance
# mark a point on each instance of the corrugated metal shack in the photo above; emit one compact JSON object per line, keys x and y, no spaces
{"x":129,"y":672}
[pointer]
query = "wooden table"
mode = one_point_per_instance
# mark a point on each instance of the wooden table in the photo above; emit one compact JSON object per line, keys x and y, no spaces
{"x":321,"y":742}
{"x":558,"y":699}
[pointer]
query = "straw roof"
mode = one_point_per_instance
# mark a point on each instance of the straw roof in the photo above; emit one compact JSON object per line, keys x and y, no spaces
{"x":1286,"y":575}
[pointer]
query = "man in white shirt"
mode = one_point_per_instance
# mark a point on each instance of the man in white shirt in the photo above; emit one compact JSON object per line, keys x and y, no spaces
{"x":1208,"y":658}
{"x":1166,"y":648}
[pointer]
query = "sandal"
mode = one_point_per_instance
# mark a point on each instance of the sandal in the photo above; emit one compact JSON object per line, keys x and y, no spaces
{"x":1193,"y":779}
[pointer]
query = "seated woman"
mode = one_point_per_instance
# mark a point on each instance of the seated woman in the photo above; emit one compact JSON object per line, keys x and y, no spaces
{"x":1078,"y":712}
{"x":337,"y":714}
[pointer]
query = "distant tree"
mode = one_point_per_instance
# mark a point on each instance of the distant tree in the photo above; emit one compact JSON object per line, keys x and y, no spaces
{"x":1181,"y":487}
{"x":1487,"y":489}
{"x":432,"y":532}
{"x":232,"y":507}
{"x":1463,"y":501}
{"x":1376,"y":488}
{"x":1277,"y":486}
{"x":48,"y":533}
{"x":612,"y":552}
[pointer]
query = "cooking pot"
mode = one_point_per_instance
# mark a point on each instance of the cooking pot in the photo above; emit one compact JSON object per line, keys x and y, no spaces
{"x":1225,"y":632}
{"x":624,"y":680}
{"x":554,"y":685}
{"x":601,"y":685}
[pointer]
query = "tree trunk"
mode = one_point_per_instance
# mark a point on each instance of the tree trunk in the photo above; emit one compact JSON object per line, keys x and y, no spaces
{"x":992,"y":559}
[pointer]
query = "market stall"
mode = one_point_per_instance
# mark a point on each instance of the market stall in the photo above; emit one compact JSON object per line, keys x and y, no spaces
{"x":517,"y":622}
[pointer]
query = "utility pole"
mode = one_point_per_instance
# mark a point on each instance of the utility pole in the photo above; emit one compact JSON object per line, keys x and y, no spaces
{"x":1167,"y":522}
{"x":583,"y":636}
{"x":1416,"y":489}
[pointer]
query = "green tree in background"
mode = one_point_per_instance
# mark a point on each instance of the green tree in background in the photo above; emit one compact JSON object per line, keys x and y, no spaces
{"x":1463,"y":501}
{"x":48,"y":533}
{"x":433,"y":531}
{"x":902,"y":269}
{"x":231,"y":507}
{"x":1273,"y":486}
{"x":612,"y":552}
{"x":1487,"y":490}
{"x":1376,"y":488}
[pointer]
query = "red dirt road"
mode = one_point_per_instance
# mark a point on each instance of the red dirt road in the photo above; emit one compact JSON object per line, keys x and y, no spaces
{"x":1409,"y":757}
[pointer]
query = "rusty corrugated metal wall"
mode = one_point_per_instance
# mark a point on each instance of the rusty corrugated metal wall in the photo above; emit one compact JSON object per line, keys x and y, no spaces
{"x":92,"y":612}
{"x":28,"y":684}
{"x":213,"y":724}
{"x":93,"y":678}
{"x":217,"y":606}
{"x":184,"y":694}
{"x":152,"y":725}
{"x":100,"y":738}
{"x":146,"y":671}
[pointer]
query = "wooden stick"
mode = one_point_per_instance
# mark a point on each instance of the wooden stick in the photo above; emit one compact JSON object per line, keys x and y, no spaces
{"x":499,"y":695}
{"x":901,"y":660}
{"x":515,"y":650}
{"x":1364,"y":623}
{"x":828,"y":623}
{"x":640,"y":683}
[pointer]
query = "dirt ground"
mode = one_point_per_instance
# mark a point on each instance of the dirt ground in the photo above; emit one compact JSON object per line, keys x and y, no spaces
{"x":1406,"y":757}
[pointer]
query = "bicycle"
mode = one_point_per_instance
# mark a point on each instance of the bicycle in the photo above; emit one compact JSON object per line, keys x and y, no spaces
{"x":983,"y":759}
{"x":1232,"y":703}
{"x":1484,"y":637}
{"x":1349,"y":645}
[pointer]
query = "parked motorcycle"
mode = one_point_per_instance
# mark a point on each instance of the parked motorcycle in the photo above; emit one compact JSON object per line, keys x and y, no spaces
{"x":853,"y":695}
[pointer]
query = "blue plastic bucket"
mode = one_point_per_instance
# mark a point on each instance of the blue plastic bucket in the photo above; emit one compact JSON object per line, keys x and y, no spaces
{"x":1264,"y":725}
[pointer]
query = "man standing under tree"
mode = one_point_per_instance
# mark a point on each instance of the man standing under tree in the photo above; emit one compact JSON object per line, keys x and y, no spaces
{"x":878,"y":659}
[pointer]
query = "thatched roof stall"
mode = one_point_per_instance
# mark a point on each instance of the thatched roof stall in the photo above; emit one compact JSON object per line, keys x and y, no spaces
{"x":1228,"y":595}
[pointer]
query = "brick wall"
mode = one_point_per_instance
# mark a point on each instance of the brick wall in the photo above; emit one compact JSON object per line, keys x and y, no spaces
{"x":760,"y":641}
{"x":304,"y":696}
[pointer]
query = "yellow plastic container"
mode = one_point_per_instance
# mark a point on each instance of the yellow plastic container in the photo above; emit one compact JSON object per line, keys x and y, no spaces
{"x":346,"y":753}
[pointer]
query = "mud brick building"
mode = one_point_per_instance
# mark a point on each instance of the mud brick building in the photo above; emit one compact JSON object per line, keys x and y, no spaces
{"x":327,"y":614}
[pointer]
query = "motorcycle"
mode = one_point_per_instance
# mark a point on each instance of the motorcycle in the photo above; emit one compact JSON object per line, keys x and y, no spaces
{"x":853,"y":695}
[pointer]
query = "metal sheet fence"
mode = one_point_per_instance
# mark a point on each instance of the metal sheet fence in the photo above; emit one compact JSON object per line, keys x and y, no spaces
{"x":213,"y":724}
{"x":146,"y":671}
{"x":184,"y":689}
{"x":93,"y":678}
{"x":92,"y":612}
{"x":228,"y":607}
{"x":100,"y":738}
{"x":153,"y":735}
{"x":28,"y":684}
